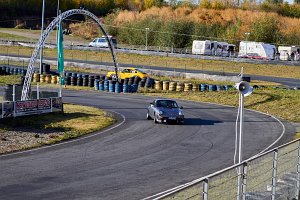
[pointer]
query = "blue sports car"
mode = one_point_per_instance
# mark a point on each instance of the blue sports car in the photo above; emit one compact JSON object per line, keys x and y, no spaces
{"x":164,"y":110}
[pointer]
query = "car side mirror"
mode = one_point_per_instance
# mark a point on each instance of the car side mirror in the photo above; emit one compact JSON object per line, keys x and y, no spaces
{"x":181,"y":107}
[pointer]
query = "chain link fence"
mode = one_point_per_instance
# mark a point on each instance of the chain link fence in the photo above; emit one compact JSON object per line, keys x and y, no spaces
{"x":272,"y":175}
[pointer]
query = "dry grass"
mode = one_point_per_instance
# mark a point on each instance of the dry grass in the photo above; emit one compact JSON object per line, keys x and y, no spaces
{"x":278,"y":102}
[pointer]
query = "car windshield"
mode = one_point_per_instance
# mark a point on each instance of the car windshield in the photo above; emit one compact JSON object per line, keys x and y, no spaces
{"x":166,"y":104}
{"x":140,"y":71}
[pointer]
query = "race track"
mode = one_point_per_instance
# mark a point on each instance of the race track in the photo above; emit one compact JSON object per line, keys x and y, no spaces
{"x":137,"y":158}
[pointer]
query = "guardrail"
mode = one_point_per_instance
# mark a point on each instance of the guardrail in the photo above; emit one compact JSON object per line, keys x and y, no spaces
{"x":274,"y":174}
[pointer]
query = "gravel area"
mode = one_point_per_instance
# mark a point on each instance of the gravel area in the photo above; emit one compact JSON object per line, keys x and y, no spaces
{"x":19,"y":140}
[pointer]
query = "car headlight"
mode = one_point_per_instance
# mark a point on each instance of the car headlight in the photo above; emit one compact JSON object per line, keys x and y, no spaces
{"x":180,"y":113}
{"x":160,"y":112}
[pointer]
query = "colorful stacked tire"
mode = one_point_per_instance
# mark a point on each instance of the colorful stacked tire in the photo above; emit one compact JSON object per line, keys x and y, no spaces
{"x":172,"y":86}
{"x":53,"y":79}
{"x":111,"y":86}
{"x":166,"y":85}
{"x":106,"y":85}
{"x":101,"y":85}
{"x":195,"y":87}
{"x":125,"y":88}
{"x":85,"y":80}
{"x":42,"y":78}
{"x":133,"y":88}
{"x":203,"y":87}
{"x":149,"y":82}
{"x":212,"y":88}
{"x":188,"y":87}
{"x":48,"y":78}
{"x":96,"y":84}
{"x":179,"y":87}
{"x":219,"y":88}
{"x":118,"y":87}
{"x":91,"y":81}
{"x":158,"y":85}
{"x":36,"y":77}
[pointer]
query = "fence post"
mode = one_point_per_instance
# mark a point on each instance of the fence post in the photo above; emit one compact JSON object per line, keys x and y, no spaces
{"x":244,"y":180}
{"x":205,"y":189}
{"x":274,"y":173}
{"x":298,"y":173}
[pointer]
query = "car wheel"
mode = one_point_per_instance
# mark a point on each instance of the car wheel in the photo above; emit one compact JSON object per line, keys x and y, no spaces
{"x":154,"y":118}
{"x":148,"y":116}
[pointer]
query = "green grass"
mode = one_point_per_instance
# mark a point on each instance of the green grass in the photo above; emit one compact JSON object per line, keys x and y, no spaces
{"x":74,"y":122}
{"x":13,"y":37}
{"x":170,"y":62}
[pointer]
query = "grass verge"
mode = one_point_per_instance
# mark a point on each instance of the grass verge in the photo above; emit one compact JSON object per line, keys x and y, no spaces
{"x":51,"y":128}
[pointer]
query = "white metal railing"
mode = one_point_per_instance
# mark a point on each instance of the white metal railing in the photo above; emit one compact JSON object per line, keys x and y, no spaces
{"x":274,"y":174}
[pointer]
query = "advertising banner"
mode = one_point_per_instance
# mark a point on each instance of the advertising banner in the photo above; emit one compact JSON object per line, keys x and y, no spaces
{"x":0,"y":110}
{"x":8,"y":109}
{"x":56,"y":104}
{"x":32,"y":107}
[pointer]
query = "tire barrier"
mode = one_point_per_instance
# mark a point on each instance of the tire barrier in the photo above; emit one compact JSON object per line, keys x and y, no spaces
{"x":179,"y":87}
{"x":118,"y":87}
{"x":85,"y":80}
{"x":106,"y":84}
{"x":102,"y":83}
{"x":203,"y":87}
{"x":111,"y":86}
{"x":96,"y":84}
{"x":158,"y":85}
{"x":172,"y":86}
{"x":166,"y":85}
{"x":53,"y":79}
{"x":212,"y":88}
{"x":187,"y":87}
{"x":149,"y":82}
{"x":219,"y":88}
{"x":125,"y":88}
{"x":36,"y":77}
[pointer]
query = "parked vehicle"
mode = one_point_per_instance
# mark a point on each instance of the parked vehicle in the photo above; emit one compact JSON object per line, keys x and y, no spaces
{"x":263,"y":50}
{"x":102,"y":42}
{"x":207,"y":47}
{"x":128,"y":73}
{"x":165,"y":110}
{"x":286,"y":52}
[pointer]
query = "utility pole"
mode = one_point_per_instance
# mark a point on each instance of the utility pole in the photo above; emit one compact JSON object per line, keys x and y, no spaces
{"x":42,"y":32}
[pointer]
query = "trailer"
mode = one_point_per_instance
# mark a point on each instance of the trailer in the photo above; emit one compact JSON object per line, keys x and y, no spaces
{"x":203,"y":47}
{"x":207,"y":47}
{"x":257,"y":50}
{"x":288,"y":52}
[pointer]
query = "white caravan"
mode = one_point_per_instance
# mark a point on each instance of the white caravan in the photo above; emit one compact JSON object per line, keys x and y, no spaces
{"x":203,"y":47}
{"x":286,"y":52}
{"x":207,"y":47}
{"x":260,"y":49}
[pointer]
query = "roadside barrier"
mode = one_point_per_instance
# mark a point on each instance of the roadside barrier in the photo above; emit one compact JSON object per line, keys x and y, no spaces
{"x":103,"y":83}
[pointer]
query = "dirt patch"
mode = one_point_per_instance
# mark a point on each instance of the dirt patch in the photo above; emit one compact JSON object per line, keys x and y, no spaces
{"x":11,"y":141}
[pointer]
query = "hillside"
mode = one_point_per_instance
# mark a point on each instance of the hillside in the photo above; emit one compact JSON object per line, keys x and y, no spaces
{"x":179,"y":27}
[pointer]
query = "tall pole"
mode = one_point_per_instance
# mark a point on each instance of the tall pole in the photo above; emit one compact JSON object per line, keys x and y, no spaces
{"x":147,"y":29}
{"x":247,"y":34}
{"x":42,"y":31}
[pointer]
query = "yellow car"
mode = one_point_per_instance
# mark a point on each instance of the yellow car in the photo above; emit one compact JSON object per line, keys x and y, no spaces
{"x":128,"y":73}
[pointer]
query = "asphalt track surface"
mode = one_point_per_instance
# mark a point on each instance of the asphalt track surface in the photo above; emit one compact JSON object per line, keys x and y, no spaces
{"x":135,"y":158}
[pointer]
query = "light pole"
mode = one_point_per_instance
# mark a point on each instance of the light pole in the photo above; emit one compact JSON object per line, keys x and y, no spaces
{"x":247,"y":34}
{"x":147,"y":29}
{"x":42,"y":31}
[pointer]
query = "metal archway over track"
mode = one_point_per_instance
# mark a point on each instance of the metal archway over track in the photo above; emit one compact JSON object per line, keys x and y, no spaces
{"x":41,"y":42}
